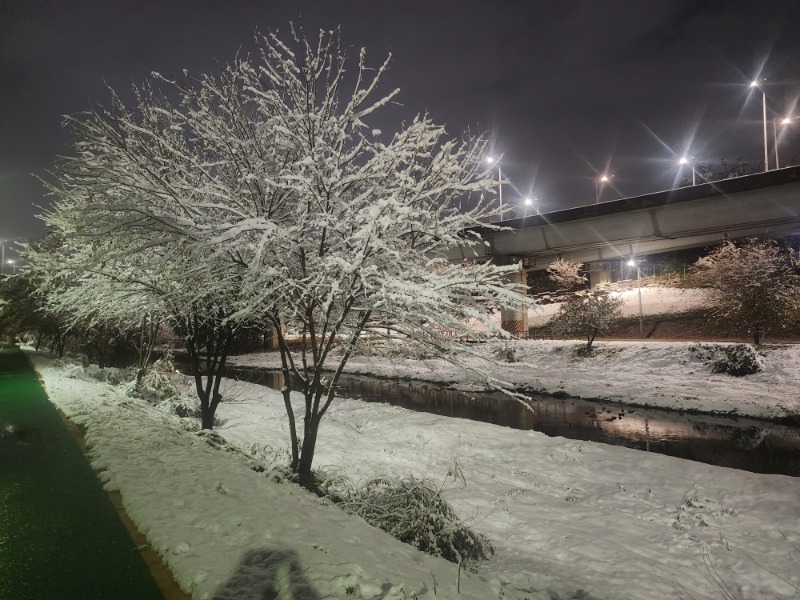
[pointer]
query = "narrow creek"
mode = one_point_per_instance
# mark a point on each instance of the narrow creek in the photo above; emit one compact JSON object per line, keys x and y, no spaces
{"x":746,"y":444}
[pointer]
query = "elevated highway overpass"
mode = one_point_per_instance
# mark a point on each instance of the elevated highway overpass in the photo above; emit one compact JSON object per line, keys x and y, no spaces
{"x":764,"y":204}
{"x":605,"y":235}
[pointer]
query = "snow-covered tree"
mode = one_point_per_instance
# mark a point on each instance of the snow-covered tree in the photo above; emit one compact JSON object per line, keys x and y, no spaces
{"x":752,"y":286}
{"x":363,"y":248}
{"x":586,"y":314}
{"x":263,"y":195}
{"x":566,"y":274}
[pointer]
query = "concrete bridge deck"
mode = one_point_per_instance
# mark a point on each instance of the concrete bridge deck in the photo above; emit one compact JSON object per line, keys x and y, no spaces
{"x":764,"y":204}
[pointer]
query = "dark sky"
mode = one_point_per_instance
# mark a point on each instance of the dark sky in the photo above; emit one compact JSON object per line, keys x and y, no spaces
{"x":565,"y":88}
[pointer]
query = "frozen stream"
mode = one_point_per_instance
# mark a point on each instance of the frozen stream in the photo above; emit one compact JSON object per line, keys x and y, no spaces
{"x":751,"y":445}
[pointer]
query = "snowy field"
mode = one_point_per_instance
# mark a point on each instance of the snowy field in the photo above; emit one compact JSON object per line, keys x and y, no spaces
{"x":568,"y":519}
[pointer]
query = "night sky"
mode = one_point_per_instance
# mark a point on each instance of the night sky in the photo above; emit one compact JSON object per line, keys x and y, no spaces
{"x":565,"y":89}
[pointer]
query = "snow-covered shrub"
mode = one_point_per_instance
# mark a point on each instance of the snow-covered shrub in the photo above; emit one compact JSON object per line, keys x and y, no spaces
{"x":413,"y":511}
{"x":506,"y":354}
{"x":156,"y":384}
{"x":91,"y":372}
{"x":186,"y":407}
{"x":737,"y":360}
{"x":586,"y":314}
{"x":752,"y":286}
{"x":391,"y":348}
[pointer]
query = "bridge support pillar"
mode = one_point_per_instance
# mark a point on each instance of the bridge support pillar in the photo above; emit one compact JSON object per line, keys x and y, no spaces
{"x":598,"y":277}
{"x":515,"y":320}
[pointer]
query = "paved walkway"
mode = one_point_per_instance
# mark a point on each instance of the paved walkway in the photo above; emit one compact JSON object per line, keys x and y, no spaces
{"x":60,"y":536}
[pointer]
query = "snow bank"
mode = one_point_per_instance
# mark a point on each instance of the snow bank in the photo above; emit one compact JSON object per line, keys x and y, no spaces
{"x":568,"y":519}
{"x":670,"y":375}
{"x":224,"y":529}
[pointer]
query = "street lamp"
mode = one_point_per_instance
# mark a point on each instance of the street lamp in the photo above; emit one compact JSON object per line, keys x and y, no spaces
{"x":598,"y":186}
{"x":784,"y":121}
{"x":2,"y":257}
{"x":687,"y":161}
{"x":492,"y":160}
{"x":531,"y":202}
{"x":13,"y":264}
{"x":757,"y":85}
{"x":633,"y":263}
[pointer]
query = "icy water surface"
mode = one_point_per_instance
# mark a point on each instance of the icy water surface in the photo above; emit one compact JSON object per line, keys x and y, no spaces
{"x":746,"y":444}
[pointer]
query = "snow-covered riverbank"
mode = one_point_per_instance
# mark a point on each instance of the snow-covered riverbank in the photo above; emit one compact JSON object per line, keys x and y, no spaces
{"x":672,"y":375}
{"x":567,"y":518}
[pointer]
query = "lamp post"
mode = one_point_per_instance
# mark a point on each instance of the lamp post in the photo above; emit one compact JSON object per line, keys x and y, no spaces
{"x":2,"y":257}
{"x":531,"y":202}
{"x":13,"y":264}
{"x":598,"y":186}
{"x":784,"y":121}
{"x":491,"y":160}
{"x":633,"y":263}
{"x":686,"y":161}
{"x":756,"y":84}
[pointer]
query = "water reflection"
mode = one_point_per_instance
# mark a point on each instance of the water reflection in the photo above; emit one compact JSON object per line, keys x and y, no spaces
{"x":741,"y":444}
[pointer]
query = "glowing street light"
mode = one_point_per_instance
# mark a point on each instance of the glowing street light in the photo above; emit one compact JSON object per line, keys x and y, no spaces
{"x":13,"y":263}
{"x":685,"y":160}
{"x":632,"y":263}
{"x":598,"y":186}
{"x":492,"y":160}
{"x":785,"y":121}
{"x":531,"y":202}
{"x":757,"y":85}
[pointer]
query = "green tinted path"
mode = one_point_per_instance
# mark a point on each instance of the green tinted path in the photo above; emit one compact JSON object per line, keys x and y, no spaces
{"x":60,"y":536}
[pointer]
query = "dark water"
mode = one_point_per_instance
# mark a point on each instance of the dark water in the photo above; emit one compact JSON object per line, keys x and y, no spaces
{"x":746,"y":444}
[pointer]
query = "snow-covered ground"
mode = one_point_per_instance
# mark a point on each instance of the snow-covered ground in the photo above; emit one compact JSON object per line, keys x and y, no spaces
{"x":672,"y":375}
{"x":655,"y":300}
{"x":568,"y":519}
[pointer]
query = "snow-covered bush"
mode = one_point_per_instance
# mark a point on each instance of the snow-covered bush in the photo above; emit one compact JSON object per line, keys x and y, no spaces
{"x":586,"y":314}
{"x":186,"y":407}
{"x":413,"y":511}
{"x":91,"y":372}
{"x":156,"y":384}
{"x":737,"y":360}
{"x":506,"y":354}
{"x":391,"y":348}
{"x":752,"y":286}
{"x":566,"y":274}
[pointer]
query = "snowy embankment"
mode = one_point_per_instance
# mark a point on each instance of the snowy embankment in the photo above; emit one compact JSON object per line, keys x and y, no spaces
{"x":568,"y":519}
{"x":672,"y":375}
{"x":226,"y":531}
{"x":655,"y":301}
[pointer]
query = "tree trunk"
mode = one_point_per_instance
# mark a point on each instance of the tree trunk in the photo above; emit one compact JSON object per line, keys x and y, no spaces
{"x":287,"y":401}
{"x":757,"y":334}
{"x":206,"y":417}
{"x":590,"y":338}
{"x":311,"y":428}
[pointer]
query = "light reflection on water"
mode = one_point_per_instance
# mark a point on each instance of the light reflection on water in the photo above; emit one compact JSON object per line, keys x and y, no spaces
{"x":746,"y":444}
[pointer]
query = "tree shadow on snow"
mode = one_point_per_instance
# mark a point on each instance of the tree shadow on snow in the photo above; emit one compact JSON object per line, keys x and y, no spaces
{"x":265,"y":574}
